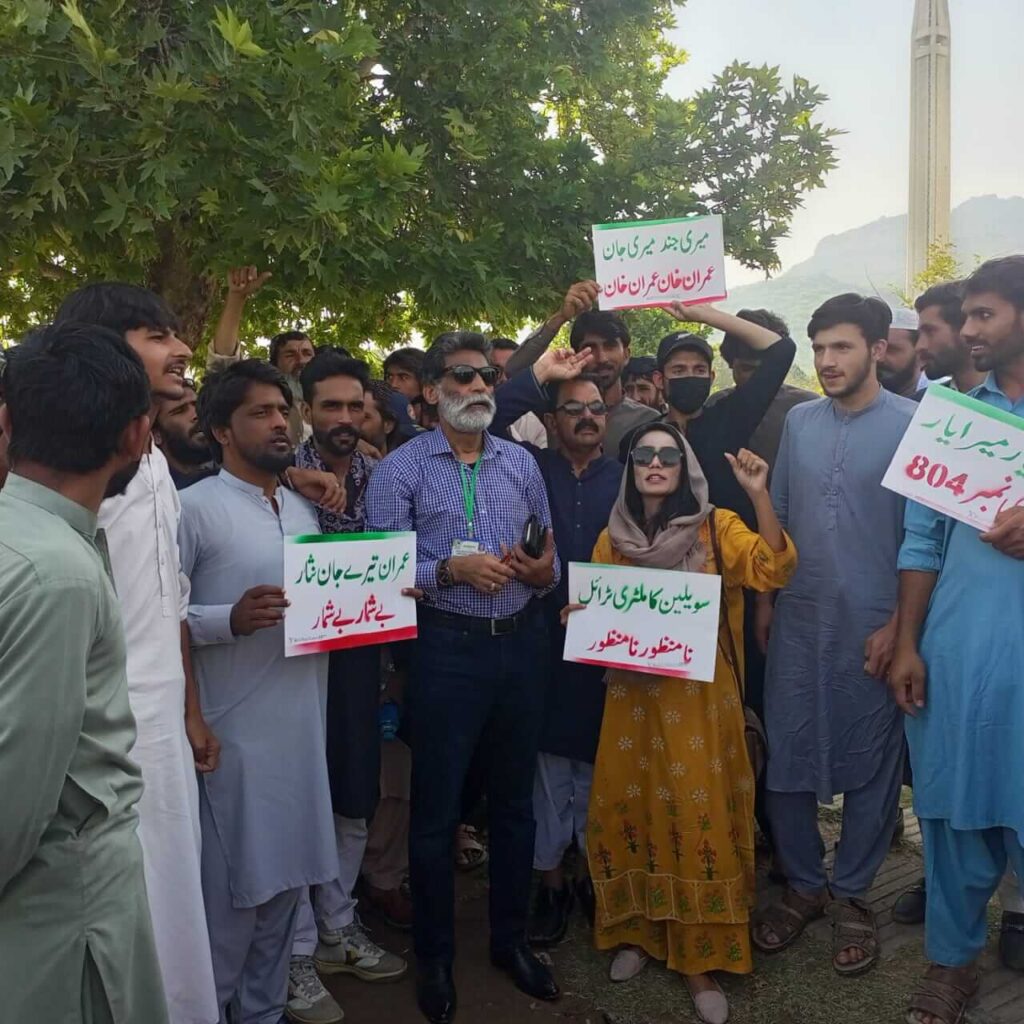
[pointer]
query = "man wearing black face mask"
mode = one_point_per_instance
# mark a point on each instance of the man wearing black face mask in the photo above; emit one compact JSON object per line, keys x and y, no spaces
{"x":685,"y":375}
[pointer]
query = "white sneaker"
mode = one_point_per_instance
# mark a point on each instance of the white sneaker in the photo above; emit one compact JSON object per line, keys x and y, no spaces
{"x":350,"y":951}
{"x":308,"y":1001}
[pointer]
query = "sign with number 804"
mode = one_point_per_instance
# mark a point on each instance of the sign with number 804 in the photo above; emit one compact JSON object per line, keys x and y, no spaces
{"x":961,"y":457}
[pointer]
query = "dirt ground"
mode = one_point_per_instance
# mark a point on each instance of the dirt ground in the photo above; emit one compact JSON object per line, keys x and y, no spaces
{"x":797,"y":987}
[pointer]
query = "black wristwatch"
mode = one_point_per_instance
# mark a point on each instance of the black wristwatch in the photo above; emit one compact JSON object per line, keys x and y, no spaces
{"x":444,"y":574}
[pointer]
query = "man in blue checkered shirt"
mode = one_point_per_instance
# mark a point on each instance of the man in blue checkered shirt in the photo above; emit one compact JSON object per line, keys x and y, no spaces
{"x":476,"y":679}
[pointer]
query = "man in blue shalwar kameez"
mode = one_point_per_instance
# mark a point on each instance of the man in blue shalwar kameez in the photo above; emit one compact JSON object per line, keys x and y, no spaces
{"x":957,"y":672}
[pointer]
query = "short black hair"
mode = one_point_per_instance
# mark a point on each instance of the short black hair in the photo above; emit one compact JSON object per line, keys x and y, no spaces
{"x":733,"y":348}
{"x":408,"y":359}
{"x":331,"y":363}
{"x":1003,"y":276}
{"x":278,"y":342}
{"x":444,"y":345}
{"x":225,"y":390}
{"x":609,"y":326}
{"x":72,"y":389}
{"x":504,"y":345}
{"x":643,"y":367}
{"x":119,"y":307}
{"x":871,"y":315}
{"x":949,"y":297}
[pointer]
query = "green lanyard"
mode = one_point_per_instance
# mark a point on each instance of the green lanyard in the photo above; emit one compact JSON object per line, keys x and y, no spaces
{"x":469,"y":492}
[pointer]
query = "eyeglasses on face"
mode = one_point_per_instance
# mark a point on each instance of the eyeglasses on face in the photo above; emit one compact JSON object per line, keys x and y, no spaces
{"x":645,"y":454}
{"x":463,"y":373}
{"x":575,"y":408}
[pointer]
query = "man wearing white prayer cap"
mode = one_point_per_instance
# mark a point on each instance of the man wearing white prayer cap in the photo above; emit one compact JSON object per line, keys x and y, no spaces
{"x":899,"y":369}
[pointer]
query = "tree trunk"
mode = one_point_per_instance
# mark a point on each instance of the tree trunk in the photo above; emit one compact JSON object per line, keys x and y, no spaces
{"x":189,"y":291}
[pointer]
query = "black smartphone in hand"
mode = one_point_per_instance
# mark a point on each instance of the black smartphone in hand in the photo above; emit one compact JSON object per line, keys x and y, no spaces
{"x":534,"y":536}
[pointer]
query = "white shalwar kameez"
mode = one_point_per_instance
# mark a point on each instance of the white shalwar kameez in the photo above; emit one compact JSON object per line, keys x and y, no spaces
{"x":142,"y":531}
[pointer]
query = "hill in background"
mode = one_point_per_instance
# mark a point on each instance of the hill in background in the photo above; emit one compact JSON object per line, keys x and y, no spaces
{"x":872,"y":260}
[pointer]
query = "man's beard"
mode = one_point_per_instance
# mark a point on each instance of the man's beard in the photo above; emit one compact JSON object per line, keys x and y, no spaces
{"x":456,"y":412}
{"x":270,"y":460}
{"x":854,"y":385}
{"x":119,"y":482}
{"x":899,"y":381}
{"x":340,"y":441}
{"x":187,"y":450}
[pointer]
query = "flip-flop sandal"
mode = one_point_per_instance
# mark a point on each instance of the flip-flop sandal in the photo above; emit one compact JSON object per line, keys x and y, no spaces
{"x":853,"y":927}
{"x":787,"y":919}
{"x":944,"y":993}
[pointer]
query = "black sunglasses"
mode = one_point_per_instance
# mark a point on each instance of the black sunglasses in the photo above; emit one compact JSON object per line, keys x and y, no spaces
{"x":645,"y":454}
{"x":463,"y":373}
{"x":574,"y":408}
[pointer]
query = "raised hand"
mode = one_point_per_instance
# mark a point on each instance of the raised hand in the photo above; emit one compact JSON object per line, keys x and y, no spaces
{"x":750,"y":470}
{"x":246,"y":281}
{"x":578,"y":299}
{"x":561,"y":364}
{"x":695,"y":314}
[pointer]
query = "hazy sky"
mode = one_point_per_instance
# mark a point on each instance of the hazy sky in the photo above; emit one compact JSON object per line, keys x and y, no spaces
{"x":858,"y":53}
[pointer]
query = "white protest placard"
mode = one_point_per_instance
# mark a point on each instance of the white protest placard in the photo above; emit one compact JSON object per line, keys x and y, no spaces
{"x":960,"y":457}
{"x":657,"y":621}
{"x":655,"y":262}
{"x":345,"y":590}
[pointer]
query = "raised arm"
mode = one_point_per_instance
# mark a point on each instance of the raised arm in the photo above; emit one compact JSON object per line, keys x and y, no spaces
{"x":754,"y":335}
{"x":242,"y":283}
{"x":581,"y":296}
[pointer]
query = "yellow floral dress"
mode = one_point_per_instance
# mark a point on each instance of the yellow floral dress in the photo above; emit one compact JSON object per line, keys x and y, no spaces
{"x":670,"y":837}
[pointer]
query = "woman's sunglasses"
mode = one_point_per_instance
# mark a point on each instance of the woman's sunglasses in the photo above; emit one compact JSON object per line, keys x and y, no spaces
{"x":463,"y":373}
{"x":645,"y":454}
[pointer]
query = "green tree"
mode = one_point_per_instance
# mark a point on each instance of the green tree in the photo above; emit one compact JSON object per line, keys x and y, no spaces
{"x":398,"y":164}
{"x":942,"y":265}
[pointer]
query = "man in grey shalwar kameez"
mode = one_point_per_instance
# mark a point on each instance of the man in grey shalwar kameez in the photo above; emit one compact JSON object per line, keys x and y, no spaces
{"x":832,"y":725}
{"x":266,"y":816}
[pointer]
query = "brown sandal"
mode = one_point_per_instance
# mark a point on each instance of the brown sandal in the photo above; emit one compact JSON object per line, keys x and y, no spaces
{"x":853,"y":927}
{"x":787,"y":919}
{"x":944,"y":993}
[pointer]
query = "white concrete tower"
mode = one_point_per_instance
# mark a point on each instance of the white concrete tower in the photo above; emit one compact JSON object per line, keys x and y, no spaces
{"x":929,"y":132}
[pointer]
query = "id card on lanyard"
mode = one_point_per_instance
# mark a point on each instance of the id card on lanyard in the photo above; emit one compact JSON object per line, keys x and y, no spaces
{"x":468,"y":546}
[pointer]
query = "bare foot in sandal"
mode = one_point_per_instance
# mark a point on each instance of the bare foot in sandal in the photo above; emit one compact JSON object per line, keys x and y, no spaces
{"x":942,"y":995}
{"x":781,"y":924}
{"x":854,"y":936}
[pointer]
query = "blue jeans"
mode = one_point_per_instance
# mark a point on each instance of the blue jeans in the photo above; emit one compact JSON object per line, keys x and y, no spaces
{"x":471,"y":692}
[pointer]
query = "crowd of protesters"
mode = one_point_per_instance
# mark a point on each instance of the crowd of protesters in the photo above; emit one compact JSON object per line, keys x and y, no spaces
{"x":192,"y":819}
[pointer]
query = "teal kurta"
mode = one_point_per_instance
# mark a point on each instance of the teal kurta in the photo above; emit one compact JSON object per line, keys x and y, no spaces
{"x":965,"y":746}
{"x":76,"y":942}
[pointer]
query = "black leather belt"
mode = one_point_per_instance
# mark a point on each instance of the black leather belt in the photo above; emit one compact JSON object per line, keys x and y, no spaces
{"x":474,"y":624}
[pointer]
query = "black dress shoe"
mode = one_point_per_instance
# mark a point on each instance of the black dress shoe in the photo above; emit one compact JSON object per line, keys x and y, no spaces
{"x":549,"y":917}
{"x":529,"y":974}
{"x":1011,"y":941}
{"x":588,"y":901}
{"x":911,"y":904}
{"x":435,"y":991}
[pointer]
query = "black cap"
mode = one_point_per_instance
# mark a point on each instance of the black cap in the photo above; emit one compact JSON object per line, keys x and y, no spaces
{"x":640,"y":366}
{"x":672,"y":343}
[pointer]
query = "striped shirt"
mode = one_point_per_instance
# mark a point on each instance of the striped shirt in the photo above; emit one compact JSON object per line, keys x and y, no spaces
{"x":419,"y":487}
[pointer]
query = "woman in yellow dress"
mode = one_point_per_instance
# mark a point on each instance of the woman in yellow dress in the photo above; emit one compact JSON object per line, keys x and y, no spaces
{"x":670,"y":835}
